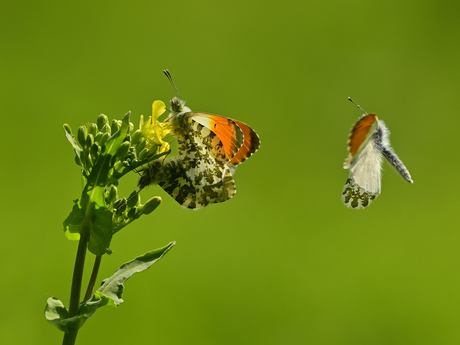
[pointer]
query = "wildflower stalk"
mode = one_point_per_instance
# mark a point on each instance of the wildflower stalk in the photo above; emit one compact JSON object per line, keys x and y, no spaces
{"x":105,"y":154}
{"x":92,"y":280}
{"x":77,"y":278}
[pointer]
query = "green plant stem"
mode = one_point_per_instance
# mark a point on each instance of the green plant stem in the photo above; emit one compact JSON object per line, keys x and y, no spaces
{"x":69,"y":338}
{"x":92,"y":281}
{"x":75,"y":291}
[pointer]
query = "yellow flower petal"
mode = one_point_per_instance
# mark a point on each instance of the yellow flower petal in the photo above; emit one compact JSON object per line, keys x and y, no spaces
{"x":158,"y":108}
{"x":154,"y":131}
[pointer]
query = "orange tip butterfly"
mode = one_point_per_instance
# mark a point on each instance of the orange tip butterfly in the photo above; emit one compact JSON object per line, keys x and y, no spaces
{"x":210,"y":148}
{"x":368,"y":142}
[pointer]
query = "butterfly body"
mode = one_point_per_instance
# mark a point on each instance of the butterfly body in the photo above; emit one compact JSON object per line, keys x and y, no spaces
{"x":367,"y":144}
{"x":209,"y":149}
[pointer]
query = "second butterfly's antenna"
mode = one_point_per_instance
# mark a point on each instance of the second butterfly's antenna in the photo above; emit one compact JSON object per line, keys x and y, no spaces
{"x":168,"y":75}
{"x":359,"y":107}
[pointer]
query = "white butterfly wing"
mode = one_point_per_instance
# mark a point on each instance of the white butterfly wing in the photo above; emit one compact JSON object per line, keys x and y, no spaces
{"x":366,"y":167}
{"x":364,"y":181}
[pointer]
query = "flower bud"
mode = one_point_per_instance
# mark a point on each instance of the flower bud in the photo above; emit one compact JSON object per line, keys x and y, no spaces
{"x":89,"y":140}
{"x":120,"y":205}
{"x":98,"y":137}
{"x":133,"y":199}
{"x":144,"y":153}
{"x":94,"y":151}
{"x":115,"y":126}
{"x":151,"y":205}
{"x":132,"y":212}
{"x":140,"y":145}
{"x":111,"y":194}
{"x":93,"y":129}
{"x":106,"y":129}
{"x":104,"y":138}
{"x":81,"y":136}
{"x":119,"y":166}
{"x":136,"y":137}
{"x":122,"y":151}
{"x":102,"y":120}
{"x":153,"y":150}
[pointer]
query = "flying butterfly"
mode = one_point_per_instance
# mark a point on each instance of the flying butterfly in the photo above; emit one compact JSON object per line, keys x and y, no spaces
{"x":367,"y":143}
{"x":210,"y":148}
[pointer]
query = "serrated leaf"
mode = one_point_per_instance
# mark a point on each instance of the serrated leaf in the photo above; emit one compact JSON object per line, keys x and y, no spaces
{"x":72,"y":224}
{"x":113,"y":287}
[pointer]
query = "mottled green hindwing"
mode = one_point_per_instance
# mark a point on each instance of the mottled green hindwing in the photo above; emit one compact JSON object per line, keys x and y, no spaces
{"x":353,"y":196}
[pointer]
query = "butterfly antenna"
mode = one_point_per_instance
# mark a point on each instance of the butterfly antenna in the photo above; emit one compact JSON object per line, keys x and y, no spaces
{"x":168,"y":75}
{"x":359,"y":107}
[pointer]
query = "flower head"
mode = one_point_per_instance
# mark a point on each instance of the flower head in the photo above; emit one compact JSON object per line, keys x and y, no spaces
{"x":154,"y":131}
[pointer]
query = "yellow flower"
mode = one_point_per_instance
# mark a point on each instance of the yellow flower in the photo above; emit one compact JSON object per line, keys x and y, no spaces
{"x":154,"y":131}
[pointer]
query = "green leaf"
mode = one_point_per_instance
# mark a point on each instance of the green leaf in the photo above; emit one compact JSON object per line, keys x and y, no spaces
{"x":72,"y":224}
{"x":101,"y":232}
{"x":109,"y":293}
{"x":113,"y":287}
{"x":57,"y":314}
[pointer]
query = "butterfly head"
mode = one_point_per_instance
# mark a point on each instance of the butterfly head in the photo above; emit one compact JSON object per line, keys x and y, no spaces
{"x":178,"y":106}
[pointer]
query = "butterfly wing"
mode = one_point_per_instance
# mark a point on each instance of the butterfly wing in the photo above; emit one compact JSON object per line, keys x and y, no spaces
{"x":174,"y":177}
{"x":210,"y":147}
{"x":360,"y":134}
{"x":363,"y":183}
{"x":200,"y":174}
{"x":365,"y":164}
{"x":240,"y":141}
{"x":250,"y":145}
{"x":227,"y":130}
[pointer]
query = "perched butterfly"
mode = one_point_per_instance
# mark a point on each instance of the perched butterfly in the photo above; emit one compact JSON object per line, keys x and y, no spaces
{"x":368,"y":141}
{"x":210,"y":148}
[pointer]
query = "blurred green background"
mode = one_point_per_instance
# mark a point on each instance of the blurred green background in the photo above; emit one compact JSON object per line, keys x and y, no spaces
{"x":284,"y":261}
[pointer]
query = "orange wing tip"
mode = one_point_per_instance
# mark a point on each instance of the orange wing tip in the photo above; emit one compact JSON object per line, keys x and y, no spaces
{"x":251,"y":144}
{"x":360,"y":132}
{"x":227,"y":130}
{"x":354,"y":197}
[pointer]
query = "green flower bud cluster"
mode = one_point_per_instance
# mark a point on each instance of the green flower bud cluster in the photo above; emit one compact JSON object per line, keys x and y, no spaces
{"x":106,"y":151}
{"x":92,"y":137}
{"x":127,"y":210}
